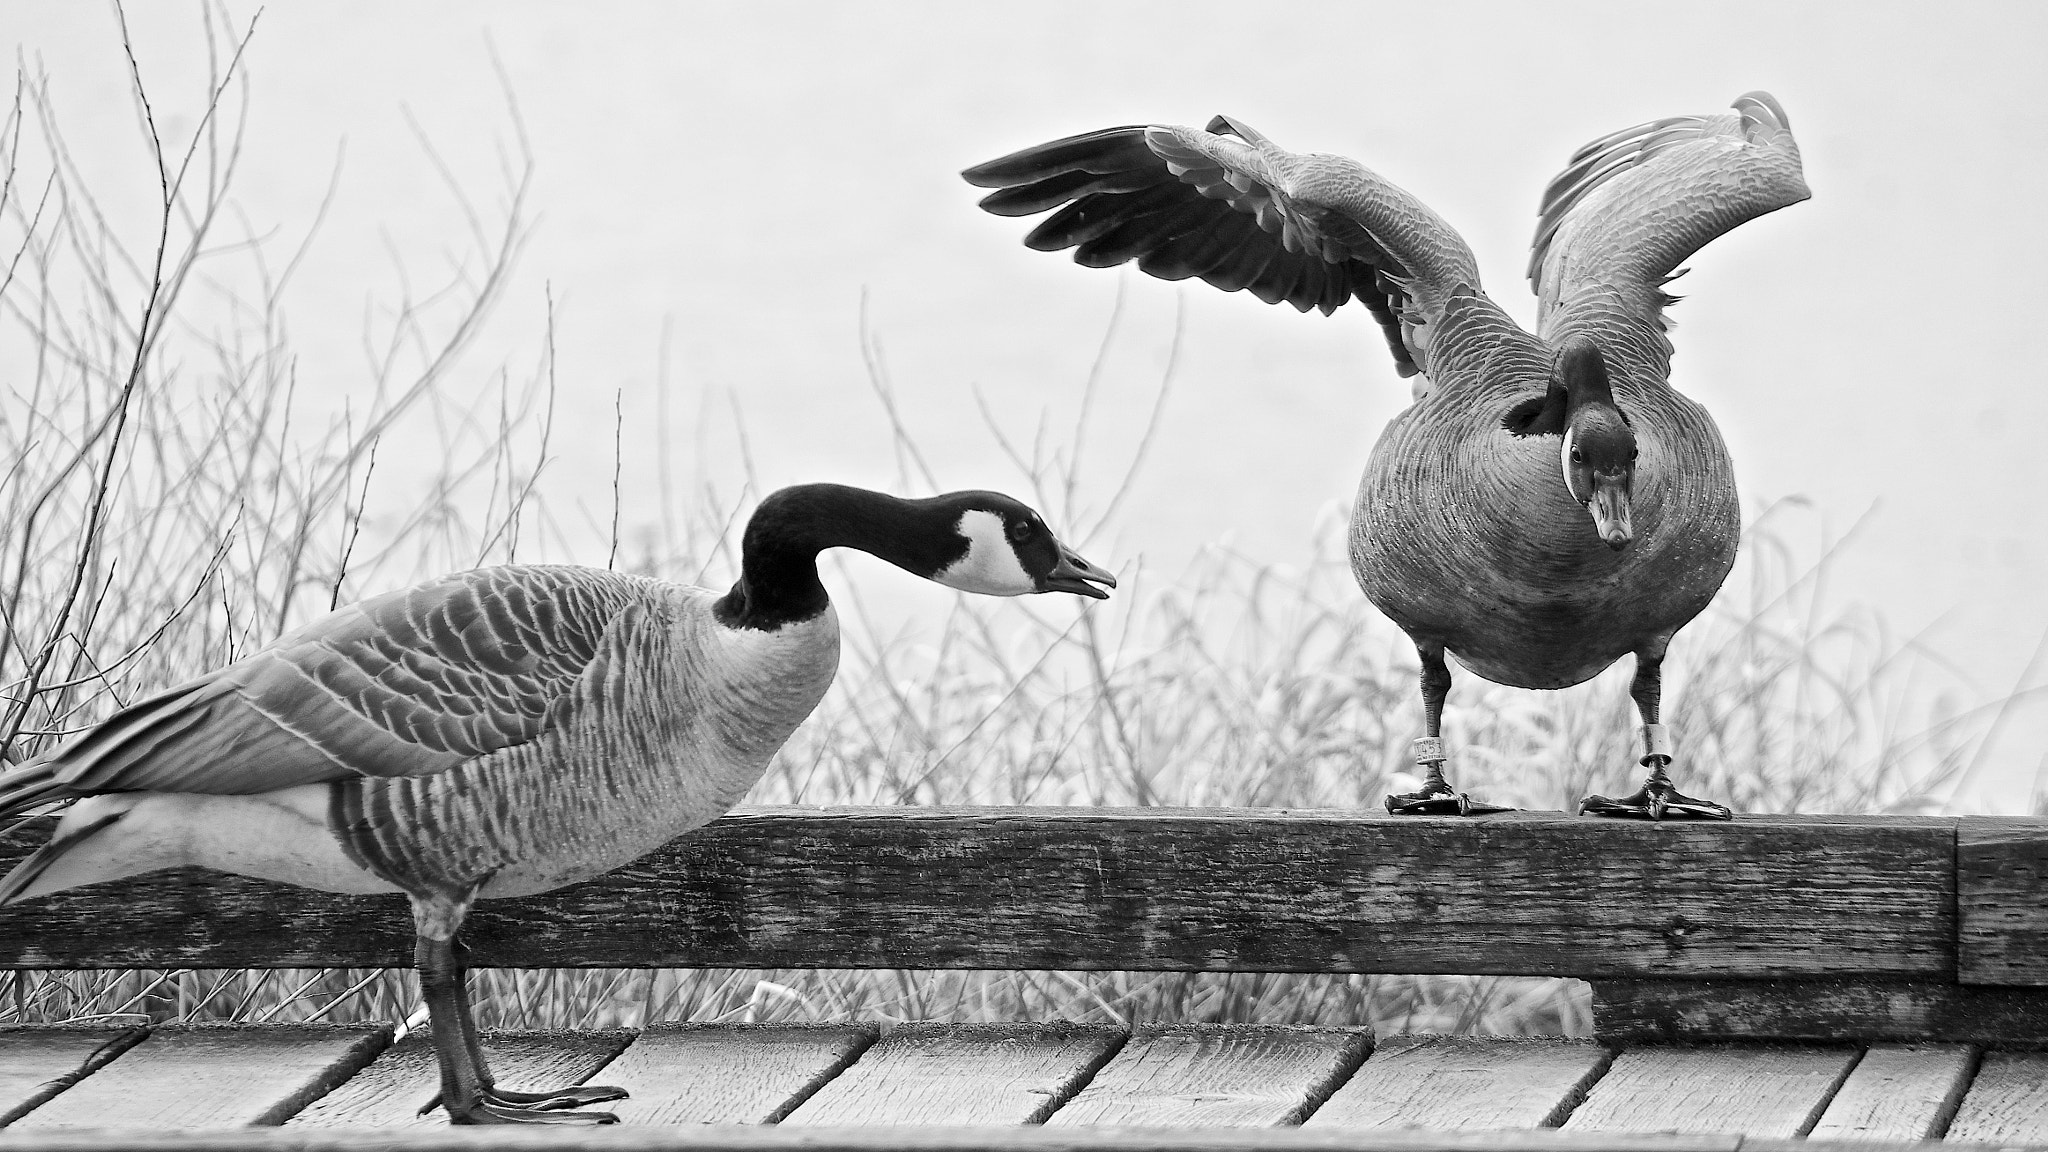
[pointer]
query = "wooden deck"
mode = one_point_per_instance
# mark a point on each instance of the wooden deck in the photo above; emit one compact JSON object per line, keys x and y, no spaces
{"x":853,"y":1085}
{"x":1774,"y":983}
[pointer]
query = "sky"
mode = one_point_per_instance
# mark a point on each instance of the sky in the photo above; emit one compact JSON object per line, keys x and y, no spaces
{"x":728,"y":196}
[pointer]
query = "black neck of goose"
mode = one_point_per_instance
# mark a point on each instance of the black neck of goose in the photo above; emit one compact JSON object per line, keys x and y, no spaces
{"x":1582,"y":372}
{"x":778,"y":581}
{"x":1578,"y":382}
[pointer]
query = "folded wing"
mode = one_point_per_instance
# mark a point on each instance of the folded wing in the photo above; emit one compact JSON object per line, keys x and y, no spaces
{"x":406,"y":684}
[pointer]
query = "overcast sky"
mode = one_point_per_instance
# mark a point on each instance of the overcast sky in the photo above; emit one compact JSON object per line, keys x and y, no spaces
{"x":744,"y":173}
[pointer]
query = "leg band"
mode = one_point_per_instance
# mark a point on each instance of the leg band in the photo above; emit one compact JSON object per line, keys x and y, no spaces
{"x":1656,"y":746}
{"x":1429,"y":750}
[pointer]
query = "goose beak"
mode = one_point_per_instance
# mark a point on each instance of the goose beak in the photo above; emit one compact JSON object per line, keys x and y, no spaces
{"x":1610,"y":511}
{"x":1073,"y":574}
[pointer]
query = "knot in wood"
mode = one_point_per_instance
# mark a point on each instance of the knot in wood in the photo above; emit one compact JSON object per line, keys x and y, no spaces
{"x":1678,"y":932}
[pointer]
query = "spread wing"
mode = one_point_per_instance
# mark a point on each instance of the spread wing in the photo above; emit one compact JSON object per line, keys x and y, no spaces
{"x":406,"y":684}
{"x":1230,"y":206}
{"x":1631,"y":205}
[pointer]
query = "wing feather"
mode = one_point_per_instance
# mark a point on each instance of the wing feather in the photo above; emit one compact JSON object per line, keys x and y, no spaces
{"x":407,"y":684}
{"x":1628,"y":207}
{"x":1227,"y":205}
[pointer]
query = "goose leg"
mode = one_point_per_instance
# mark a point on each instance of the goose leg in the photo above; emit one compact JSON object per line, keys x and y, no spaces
{"x":1656,"y":799}
{"x":467,"y":1089}
{"x":1436,"y":797}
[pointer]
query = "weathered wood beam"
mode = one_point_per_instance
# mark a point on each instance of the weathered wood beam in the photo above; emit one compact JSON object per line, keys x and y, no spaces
{"x":1636,"y":1011}
{"x":2002,"y":900}
{"x":1144,"y":889}
{"x":748,"y":1138}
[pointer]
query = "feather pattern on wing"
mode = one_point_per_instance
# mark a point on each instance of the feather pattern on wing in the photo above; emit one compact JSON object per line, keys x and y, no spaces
{"x":1631,"y":205}
{"x":1231,"y":207}
{"x":411,"y":683}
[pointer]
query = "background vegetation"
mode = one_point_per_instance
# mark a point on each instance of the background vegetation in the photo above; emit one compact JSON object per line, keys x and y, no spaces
{"x":170,"y":499}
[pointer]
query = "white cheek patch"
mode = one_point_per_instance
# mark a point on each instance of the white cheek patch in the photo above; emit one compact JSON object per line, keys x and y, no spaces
{"x":1564,"y":458}
{"x":990,"y":566}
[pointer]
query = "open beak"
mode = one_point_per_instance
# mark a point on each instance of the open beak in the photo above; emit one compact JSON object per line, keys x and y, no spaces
{"x":1610,"y":510}
{"x":1073,"y":574}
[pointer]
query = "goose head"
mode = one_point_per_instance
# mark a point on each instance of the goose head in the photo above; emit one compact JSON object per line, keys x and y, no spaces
{"x":1598,"y":453}
{"x":982,"y":542}
{"x":1004,"y":549}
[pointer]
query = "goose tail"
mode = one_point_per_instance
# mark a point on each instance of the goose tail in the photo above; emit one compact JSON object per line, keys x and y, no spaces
{"x":31,"y":785}
{"x":15,"y":886}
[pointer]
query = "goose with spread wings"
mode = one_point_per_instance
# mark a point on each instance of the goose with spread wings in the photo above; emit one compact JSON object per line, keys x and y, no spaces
{"x":1549,"y":503}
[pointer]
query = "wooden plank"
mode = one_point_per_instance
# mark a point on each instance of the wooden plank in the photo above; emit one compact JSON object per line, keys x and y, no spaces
{"x":962,"y":1074}
{"x":2007,"y":1102}
{"x":776,"y":1138}
{"x":730,"y":1073}
{"x":1899,"y":1092}
{"x":213,"y":1076}
{"x":39,"y":1061}
{"x":1645,"y":1011}
{"x":1463,"y":1082}
{"x":2002,"y":900}
{"x":1153,"y":889}
{"x":393,"y":1089}
{"x":1760,"y":1090}
{"x":1217,"y":1076}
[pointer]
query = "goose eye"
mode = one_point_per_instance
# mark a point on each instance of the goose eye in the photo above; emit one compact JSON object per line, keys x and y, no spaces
{"x":1020,"y":530}
{"x":1578,"y":457}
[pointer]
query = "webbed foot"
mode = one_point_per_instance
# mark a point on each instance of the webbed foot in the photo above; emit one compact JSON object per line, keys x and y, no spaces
{"x":1439,"y":801}
{"x":1655,"y":800}
{"x":495,"y":1101}
{"x":486,"y":1112}
{"x":1436,"y":797}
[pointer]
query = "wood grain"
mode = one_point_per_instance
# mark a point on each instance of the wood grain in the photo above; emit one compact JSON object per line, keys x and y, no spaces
{"x":194,"y":1076}
{"x":1899,"y":1092}
{"x":39,"y":1061}
{"x":1749,"y":1090}
{"x":1871,"y":1010}
{"x":962,"y":1074}
{"x":1465,"y":1083}
{"x":730,"y":1073}
{"x":393,"y":1089}
{"x":743,"y":1138}
{"x":2002,"y":900}
{"x":1149,"y":889}
{"x":1217,"y":1076}
{"x":2007,"y":1102}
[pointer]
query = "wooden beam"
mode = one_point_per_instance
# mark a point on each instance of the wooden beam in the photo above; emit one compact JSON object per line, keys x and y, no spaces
{"x":1899,"y":1092}
{"x":1217,"y":1076}
{"x":1737,"y":1089}
{"x":739,"y":1138}
{"x":1142,"y":889}
{"x":37,"y":1061}
{"x":1466,"y":1082}
{"x":396,"y":1087}
{"x":1868,"y":1010}
{"x":932,"y":1074}
{"x":2002,"y":900}
{"x":254,"y":1074}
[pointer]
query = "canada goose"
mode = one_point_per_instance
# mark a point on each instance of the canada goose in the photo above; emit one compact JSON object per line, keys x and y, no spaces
{"x":501,"y":732}
{"x":1471,"y":529}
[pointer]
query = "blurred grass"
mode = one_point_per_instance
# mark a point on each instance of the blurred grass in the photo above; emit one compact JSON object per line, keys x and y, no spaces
{"x":172,"y":499}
